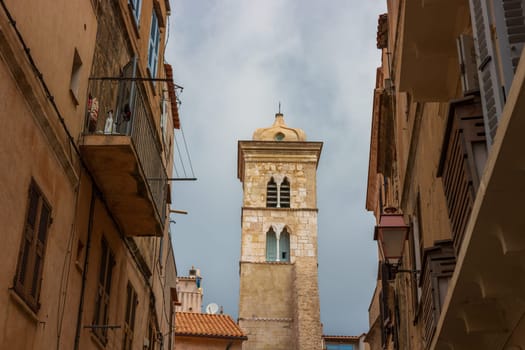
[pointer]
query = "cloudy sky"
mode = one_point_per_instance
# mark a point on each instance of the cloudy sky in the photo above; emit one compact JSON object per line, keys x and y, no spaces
{"x":236,"y":60}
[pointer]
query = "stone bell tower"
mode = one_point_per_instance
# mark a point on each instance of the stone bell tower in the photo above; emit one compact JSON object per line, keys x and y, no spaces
{"x":279,"y":294}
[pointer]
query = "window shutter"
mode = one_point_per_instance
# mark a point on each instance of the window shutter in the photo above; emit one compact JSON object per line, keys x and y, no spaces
{"x":126,"y":99}
{"x":284,"y":246}
{"x":491,"y":93}
{"x":467,"y":61}
{"x":510,"y":27}
{"x":271,"y":246}
{"x":40,"y":248}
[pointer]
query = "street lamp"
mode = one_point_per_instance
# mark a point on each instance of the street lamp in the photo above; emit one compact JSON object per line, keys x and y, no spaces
{"x":391,"y":234}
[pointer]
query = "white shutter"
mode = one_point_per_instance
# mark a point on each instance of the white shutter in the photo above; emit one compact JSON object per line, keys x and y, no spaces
{"x":510,"y":27}
{"x":491,"y":93}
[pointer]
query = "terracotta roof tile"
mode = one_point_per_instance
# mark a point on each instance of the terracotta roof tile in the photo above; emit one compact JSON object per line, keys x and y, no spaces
{"x":173,"y":97}
{"x":206,"y":325}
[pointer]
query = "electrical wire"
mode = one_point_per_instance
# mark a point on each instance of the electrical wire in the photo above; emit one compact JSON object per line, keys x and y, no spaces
{"x":180,"y":155}
{"x":187,"y":152}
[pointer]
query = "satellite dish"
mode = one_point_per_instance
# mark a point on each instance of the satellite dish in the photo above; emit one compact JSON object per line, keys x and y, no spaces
{"x":212,"y":308}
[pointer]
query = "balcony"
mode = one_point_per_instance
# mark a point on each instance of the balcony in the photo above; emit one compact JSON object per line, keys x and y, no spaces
{"x":428,"y":63}
{"x":121,"y":149}
{"x":463,"y":157}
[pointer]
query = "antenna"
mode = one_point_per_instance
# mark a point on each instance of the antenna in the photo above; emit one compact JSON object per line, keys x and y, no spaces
{"x":279,"y":107}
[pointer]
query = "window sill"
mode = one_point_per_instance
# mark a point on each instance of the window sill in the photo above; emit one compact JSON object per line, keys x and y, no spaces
{"x":23,"y":305}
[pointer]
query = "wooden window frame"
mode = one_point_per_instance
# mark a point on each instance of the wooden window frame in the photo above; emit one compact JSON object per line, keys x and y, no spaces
{"x":28,"y":277}
{"x":129,"y":317}
{"x":101,"y":312}
{"x":153,"y":45}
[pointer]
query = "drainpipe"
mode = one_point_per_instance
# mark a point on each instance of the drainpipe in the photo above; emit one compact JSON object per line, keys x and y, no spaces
{"x":229,"y":345}
{"x":85,"y":270}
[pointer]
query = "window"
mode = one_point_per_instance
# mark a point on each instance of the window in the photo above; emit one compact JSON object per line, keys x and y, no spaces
{"x":277,"y":245}
{"x":271,"y":194}
{"x":284,"y":194}
{"x":278,"y":193}
{"x":284,"y":246}
{"x":154,"y":39}
{"x":129,"y":318}
{"x":271,"y":246}
{"x":28,"y":276}
{"x":75,"y":76}
{"x":107,"y":261}
{"x":339,"y":347}
{"x":135,"y":9}
{"x":152,"y":332}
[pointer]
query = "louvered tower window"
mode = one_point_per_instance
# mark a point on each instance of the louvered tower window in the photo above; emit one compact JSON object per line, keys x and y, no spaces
{"x":271,"y":194}
{"x":284,"y":195}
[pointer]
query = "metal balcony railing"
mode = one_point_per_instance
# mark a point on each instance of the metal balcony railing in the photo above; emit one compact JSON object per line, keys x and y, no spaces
{"x":119,"y":107}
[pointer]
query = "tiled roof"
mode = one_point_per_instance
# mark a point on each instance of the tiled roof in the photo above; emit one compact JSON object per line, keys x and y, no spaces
{"x":341,"y":338}
{"x":207,"y":325}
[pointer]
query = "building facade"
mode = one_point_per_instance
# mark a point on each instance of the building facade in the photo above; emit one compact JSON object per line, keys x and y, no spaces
{"x":87,"y":258}
{"x":189,"y":292}
{"x":444,"y":176}
{"x":279,"y":295}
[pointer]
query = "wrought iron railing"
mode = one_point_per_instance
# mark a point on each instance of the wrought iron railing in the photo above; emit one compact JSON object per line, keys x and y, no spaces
{"x":119,"y":107}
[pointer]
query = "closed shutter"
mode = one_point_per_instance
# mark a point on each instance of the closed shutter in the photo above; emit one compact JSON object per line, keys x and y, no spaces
{"x":40,"y":249}
{"x":510,"y":27}
{"x":271,"y":246}
{"x":491,"y":92}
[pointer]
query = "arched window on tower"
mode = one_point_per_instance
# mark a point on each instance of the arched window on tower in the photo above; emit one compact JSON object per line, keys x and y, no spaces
{"x":284,"y":194}
{"x":284,"y":246}
{"x":271,"y":194}
{"x":271,"y":245}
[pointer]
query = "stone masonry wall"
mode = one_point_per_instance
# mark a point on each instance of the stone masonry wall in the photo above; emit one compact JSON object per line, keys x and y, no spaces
{"x":279,"y":302}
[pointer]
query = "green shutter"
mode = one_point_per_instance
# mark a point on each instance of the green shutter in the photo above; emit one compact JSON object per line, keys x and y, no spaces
{"x":271,"y":246}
